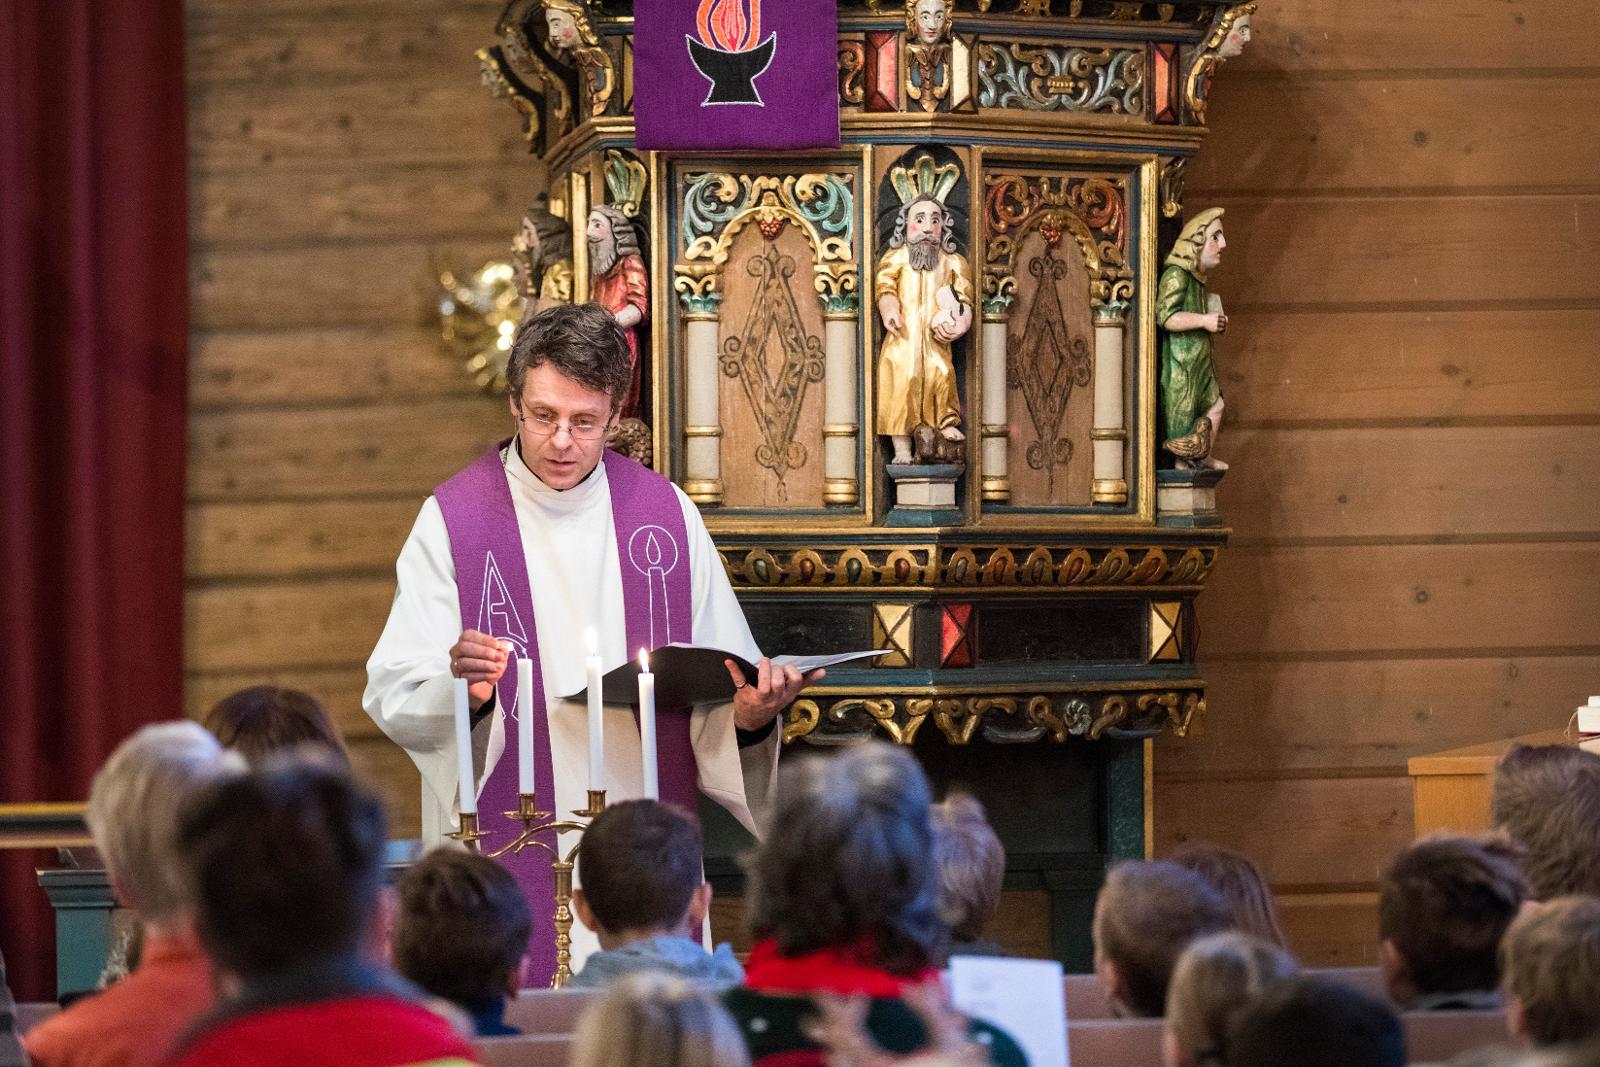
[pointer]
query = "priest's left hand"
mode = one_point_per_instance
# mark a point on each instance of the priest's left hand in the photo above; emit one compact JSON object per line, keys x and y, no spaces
{"x":757,"y":703}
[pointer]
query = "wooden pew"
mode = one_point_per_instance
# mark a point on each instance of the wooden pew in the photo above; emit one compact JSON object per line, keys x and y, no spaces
{"x":545,"y":1050}
{"x":1440,"y":1036}
{"x":548,"y":1011}
{"x":1086,"y":999}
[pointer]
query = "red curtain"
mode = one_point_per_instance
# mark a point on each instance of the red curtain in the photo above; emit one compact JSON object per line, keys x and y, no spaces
{"x":93,"y":361}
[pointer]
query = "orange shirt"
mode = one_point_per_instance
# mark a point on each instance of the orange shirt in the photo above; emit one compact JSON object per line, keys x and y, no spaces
{"x":136,"y":1022}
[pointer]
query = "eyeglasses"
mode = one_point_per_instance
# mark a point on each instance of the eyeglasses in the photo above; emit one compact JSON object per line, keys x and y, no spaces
{"x":580,"y":429}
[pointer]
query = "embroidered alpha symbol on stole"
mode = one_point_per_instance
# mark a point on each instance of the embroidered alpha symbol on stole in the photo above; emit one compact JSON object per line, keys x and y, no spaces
{"x":727,"y":52}
{"x":497,"y":617}
{"x":653,"y":552}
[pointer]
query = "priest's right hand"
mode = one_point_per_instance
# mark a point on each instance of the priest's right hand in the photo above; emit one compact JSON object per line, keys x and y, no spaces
{"x":481,"y":660}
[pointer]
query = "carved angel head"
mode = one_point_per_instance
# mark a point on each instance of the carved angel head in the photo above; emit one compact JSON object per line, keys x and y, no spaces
{"x":928,"y":21}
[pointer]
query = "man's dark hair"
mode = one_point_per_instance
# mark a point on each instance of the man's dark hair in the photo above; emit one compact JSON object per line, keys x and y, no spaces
{"x":849,"y":860}
{"x":1147,"y":913}
{"x":285,"y":866}
{"x":582,"y":341}
{"x":1312,"y":1023}
{"x":1548,"y":798}
{"x":1445,"y":904}
{"x":463,"y":926}
{"x":264,"y":719}
{"x":639,"y":864}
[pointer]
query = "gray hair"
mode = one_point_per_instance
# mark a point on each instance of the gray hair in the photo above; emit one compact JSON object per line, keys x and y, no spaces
{"x":947,"y":241}
{"x":134,"y":805}
{"x":848,"y":860}
{"x":972,"y":865}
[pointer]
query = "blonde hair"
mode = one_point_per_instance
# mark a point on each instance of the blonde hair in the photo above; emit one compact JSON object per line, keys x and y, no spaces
{"x":655,"y":1020}
{"x":1551,"y":961}
{"x":134,"y":804}
{"x":972,"y":865}
{"x":1216,"y":978}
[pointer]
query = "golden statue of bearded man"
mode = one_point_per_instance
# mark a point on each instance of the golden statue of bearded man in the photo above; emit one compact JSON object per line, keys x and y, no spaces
{"x":923,"y":290}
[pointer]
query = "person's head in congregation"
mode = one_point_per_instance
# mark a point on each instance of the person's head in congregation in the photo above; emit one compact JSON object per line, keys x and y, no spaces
{"x":1147,"y":913}
{"x":1241,"y":884}
{"x":972,"y":868}
{"x":1547,"y":798}
{"x":566,"y":377}
{"x":1550,"y":961}
{"x":642,"y":892}
{"x":462,"y":934}
{"x":1443,"y":906}
{"x":285,"y":865}
{"x":1307,"y":1022}
{"x":843,"y":899}
{"x":657,"y":1020}
{"x":1215,"y":979}
{"x":265,"y":719}
{"x":135,"y":805}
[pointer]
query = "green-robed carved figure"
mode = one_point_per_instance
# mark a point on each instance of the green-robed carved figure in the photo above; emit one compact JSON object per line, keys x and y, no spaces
{"x":1188,"y":316}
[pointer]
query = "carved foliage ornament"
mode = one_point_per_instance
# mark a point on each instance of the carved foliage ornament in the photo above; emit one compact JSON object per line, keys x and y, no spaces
{"x":977,"y":567}
{"x":716,"y":206}
{"x":1091,"y":210}
{"x":1002,"y":718}
{"x":1045,"y":77}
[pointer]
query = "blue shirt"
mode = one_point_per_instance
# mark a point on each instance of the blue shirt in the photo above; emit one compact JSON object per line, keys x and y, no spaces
{"x":676,"y":956}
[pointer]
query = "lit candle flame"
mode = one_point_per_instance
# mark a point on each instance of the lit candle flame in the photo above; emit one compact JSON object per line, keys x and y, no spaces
{"x":644,"y":661}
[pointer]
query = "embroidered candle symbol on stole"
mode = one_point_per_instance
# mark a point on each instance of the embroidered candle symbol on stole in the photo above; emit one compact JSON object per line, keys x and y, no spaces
{"x":654,"y":553}
{"x":727,"y":52}
{"x":497,"y":617}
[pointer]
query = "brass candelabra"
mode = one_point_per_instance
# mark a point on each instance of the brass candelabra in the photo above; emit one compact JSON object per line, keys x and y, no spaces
{"x":536,"y":822}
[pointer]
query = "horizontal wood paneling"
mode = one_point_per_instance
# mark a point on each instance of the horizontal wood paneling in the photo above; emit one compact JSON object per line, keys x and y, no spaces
{"x":380,"y":450}
{"x":1385,"y":366}
{"x":1291,"y":717}
{"x":1307,"y":832}
{"x":1294,"y":134}
{"x":1405,"y":482}
{"x":385,"y":283}
{"x":338,"y":688}
{"x":1409,"y":250}
{"x":297,"y":537}
{"x":1362,"y":601}
{"x":322,"y":365}
{"x":1312,"y":37}
{"x":1331,"y":929}
{"x":238,"y":210}
{"x":384,"y":767}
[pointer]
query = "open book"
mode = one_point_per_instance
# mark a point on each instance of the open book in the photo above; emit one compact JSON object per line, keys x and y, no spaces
{"x":692,"y":674}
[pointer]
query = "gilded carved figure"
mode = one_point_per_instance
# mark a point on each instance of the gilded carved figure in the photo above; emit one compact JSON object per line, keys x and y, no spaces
{"x":619,"y":283}
{"x":923,"y":291}
{"x":1189,"y":318}
{"x":542,"y":260}
{"x":567,"y":25}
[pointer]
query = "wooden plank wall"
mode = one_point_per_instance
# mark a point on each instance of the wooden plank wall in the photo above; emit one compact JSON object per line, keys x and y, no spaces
{"x":341,"y":153}
{"x":1413,"y":384}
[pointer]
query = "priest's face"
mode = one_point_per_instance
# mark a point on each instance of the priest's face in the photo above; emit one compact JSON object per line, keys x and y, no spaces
{"x":561,"y":426}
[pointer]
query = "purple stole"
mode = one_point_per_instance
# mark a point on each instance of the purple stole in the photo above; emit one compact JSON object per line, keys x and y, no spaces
{"x":492,"y":583}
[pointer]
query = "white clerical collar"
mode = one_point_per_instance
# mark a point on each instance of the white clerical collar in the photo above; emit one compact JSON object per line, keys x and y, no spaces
{"x":535,"y":488}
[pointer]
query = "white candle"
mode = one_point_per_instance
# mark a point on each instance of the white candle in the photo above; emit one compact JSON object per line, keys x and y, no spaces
{"x":597,"y":724}
{"x":647,"y":726}
{"x":525,"y":725}
{"x":469,"y":792}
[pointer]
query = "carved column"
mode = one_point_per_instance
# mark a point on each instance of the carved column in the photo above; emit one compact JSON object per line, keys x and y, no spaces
{"x":995,"y":433}
{"x":1110,"y":431}
{"x":841,"y":423}
{"x":702,"y":429}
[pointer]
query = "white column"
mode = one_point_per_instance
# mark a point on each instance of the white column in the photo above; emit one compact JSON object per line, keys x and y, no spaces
{"x":995,"y":433}
{"x":703,"y":426}
{"x":841,"y":424}
{"x":1110,"y":432}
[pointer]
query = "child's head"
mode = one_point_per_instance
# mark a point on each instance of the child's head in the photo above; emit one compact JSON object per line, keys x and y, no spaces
{"x":264,"y":719}
{"x":1216,"y":978}
{"x":1551,"y":961}
{"x":1547,"y":798}
{"x":1145,"y":916}
{"x":1241,"y":884}
{"x":639,"y":869}
{"x":972,"y":866}
{"x":1312,"y":1023}
{"x":654,"y":1020}
{"x":1445,"y":903}
{"x":463,"y":927}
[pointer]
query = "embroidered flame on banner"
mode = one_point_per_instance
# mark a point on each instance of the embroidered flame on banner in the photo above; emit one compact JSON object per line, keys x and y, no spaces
{"x":729,"y":50}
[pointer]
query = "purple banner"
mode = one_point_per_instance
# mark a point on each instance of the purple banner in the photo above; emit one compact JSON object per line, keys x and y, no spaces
{"x":717,"y":74}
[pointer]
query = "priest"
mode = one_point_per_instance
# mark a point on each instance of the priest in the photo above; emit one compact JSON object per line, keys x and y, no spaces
{"x":545,"y":539}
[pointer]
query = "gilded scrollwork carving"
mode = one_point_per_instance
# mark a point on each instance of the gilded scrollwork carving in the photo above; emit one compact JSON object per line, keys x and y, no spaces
{"x":1048,"y":77}
{"x":1229,"y":34}
{"x":1172,"y":178}
{"x":718,"y":205}
{"x":1003,"y":717}
{"x":967,"y":567}
{"x":1092,"y":210}
{"x":852,"y":62}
